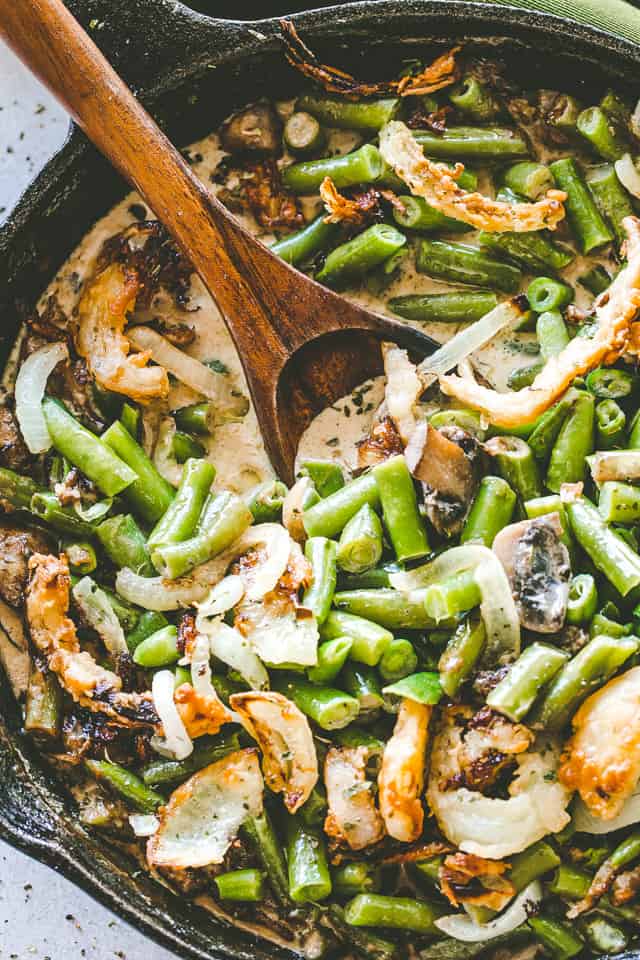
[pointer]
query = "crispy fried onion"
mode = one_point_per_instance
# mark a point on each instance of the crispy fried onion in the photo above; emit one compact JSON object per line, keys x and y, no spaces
{"x":358,"y":210}
{"x":204,"y":814}
{"x":54,"y":635}
{"x":613,"y":333}
{"x":487,"y":826}
{"x":401,"y":777}
{"x":465,"y":878}
{"x":602,"y":759}
{"x":437,"y":184}
{"x":270,"y":203}
{"x":441,"y":73}
{"x":102,"y":316}
{"x":353,"y":818}
{"x":289,"y":761}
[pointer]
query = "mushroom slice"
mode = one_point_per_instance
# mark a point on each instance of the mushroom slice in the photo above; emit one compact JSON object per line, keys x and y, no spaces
{"x":353,"y":818}
{"x":602,"y":759}
{"x":539,"y":569}
{"x":16,"y":546}
{"x":102,"y":316}
{"x":437,"y":184}
{"x":290,"y":763}
{"x":204,"y":814}
{"x":382,"y":441}
{"x":257,"y":128}
{"x":401,"y":777}
{"x":448,"y":470}
{"x":613,"y":333}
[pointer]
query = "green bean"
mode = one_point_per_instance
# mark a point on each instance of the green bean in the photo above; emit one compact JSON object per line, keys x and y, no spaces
{"x":124,"y":543}
{"x":314,"y":810}
{"x":611,"y":421}
{"x":262,"y":837}
{"x":528,"y":178}
{"x":351,"y":260}
{"x":181,"y":519}
{"x":535,"y":667}
{"x":532,"y":863}
{"x":491,"y":510}
{"x":43,"y":704}
{"x":365,"y":944}
{"x":181,"y":675}
{"x":158,"y":650}
{"x":64,"y":520}
{"x":127,"y":784}
{"x":516,"y":465}
{"x":303,"y":134}
{"x":468,"y":420}
{"x":369,"y":640}
{"x":321,"y":554}
{"x":184,"y":446}
{"x":608,"y":383}
{"x":332,"y":656}
{"x":608,"y":551}
{"x":458,"y":307}
{"x":596,"y":280}
{"x":309,"y":878}
{"x":303,"y":245}
{"x":603,"y":936}
{"x":128,"y":615}
{"x":246,"y":885}
{"x":330,"y":708}
{"x":265,"y":501}
{"x":86,"y":451}
{"x":150,"y":621}
{"x":545,"y":293}
{"x":417,"y":214}
{"x":364,"y":165}
{"x":198,"y":418}
{"x":604,"y":137}
{"x":400,"y":913}
{"x":533,"y":250}
{"x":18,"y":490}
{"x":373,"y":579}
{"x":446,"y":600}
{"x":633,"y":441}
{"x":524,"y":376}
{"x":552,"y":333}
{"x":387,"y":607}
{"x":353,"y":878}
{"x":81,"y":556}
{"x":585,"y":220}
{"x":564,"y":113}
{"x":616,"y":108}
{"x":360,"y":545}
{"x":367,"y":116}
{"x":548,"y":426}
{"x":462,"y":263}
{"x":569,"y":882}
{"x":398,"y":661}
{"x":327,"y":475}
{"x":461,"y":655}
{"x":473,"y":143}
{"x":150,"y":494}
{"x":404,"y":524}
{"x":472,"y":97}
{"x":329,"y":517}
{"x":207,"y":751}
{"x":611,"y":198}
{"x":363,"y":684}
{"x":354,"y":736}
{"x":131,"y":419}
{"x":588,"y":670}
{"x":619,"y":502}
{"x":559,"y":938}
{"x":602,"y":624}
{"x":575,"y":442}
{"x":583,"y":598}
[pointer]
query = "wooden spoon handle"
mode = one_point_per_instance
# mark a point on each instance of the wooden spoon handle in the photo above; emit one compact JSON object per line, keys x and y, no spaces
{"x":55,"y":47}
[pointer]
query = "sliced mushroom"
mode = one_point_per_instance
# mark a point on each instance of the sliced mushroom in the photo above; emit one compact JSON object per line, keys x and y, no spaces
{"x":382,"y":441}
{"x":401,"y":777}
{"x":16,"y":546}
{"x":13,"y":450}
{"x":449,"y":470}
{"x":353,"y":818}
{"x":256,"y":128}
{"x":290,"y":764}
{"x":539,"y":569}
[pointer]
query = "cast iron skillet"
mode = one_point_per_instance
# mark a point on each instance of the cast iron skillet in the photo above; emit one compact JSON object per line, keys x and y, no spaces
{"x":191,"y":71}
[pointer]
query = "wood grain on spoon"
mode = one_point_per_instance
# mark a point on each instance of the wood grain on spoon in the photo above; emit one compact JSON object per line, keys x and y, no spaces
{"x":274,"y":313}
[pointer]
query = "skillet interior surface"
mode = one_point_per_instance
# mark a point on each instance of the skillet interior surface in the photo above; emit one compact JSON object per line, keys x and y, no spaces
{"x":191,"y":71}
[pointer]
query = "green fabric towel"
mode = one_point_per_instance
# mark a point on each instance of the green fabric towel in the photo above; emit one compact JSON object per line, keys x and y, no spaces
{"x":613,"y":16}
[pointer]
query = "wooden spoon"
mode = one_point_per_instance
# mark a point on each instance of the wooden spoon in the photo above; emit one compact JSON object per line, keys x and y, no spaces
{"x":302,"y":346}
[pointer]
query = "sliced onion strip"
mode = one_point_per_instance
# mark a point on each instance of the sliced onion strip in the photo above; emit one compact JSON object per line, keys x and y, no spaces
{"x":628,"y":174}
{"x":156,"y":593}
{"x":176,"y":742}
{"x":100,"y":615}
{"x":471,"y":338}
{"x":29,"y":391}
{"x":228,"y":645}
{"x":462,"y":927}
{"x":585,"y":822}
{"x":223,"y":597}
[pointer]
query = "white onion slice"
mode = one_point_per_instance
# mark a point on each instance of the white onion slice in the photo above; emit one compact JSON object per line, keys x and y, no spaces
{"x":262,"y":578}
{"x":497,"y":606}
{"x":635,"y":120}
{"x":621,"y":465}
{"x":228,"y":645}
{"x":144,"y":824}
{"x":462,"y":927}
{"x":156,"y":593}
{"x":585,"y":822}
{"x":293,"y":507}
{"x":201,"y":668}
{"x":471,"y":338}
{"x":164,"y":458}
{"x":176,"y":742}
{"x":100,"y":615}
{"x":29,"y":391}
{"x":224,"y":596}
{"x":628,"y":174}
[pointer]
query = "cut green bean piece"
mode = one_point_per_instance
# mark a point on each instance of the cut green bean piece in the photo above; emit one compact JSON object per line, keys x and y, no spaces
{"x":460,"y":307}
{"x":583,"y":598}
{"x":265,"y":501}
{"x":602,"y":134}
{"x":263,"y":838}
{"x":150,"y":494}
{"x":124,"y":543}
{"x":332,"y":656}
{"x":398,"y":661}
{"x":360,"y":545}
{"x":362,"y":166}
{"x":43,"y":705}
{"x":127,"y":784}
{"x":18,"y":490}
{"x":86,"y":451}
{"x":536,"y":666}
{"x":604,"y":937}
{"x":309,"y":878}
{"x":611,"y":422}
{"x":548,"y":426}
{"x":208,"y":750}
{"x":609,"y":383}
{"x":303,"y":245}
{"x":330,"y":708}
{"x":327,"y":475}
{"x":559,"y":938}
{"x":545,"y":293}
{"x":245,"y":885}
{"x":400,"y":913}
{"x":461,"y":655}
{"x":374,"y":579}
{"x":367,"y":116}
{"x":82,"y":557}
{"x":404,"y":524}
{"x":329,"y":517}
{"x":184,"y":446}
{"x":596,"y":280}
{"x":303,"y":134}
{"x":488,"y":144}
{"x":64,"y":520}
{"x":423,"y":687}
{"x":552,"y":334}
{"x":533,"y":250}
{"x":150,"y":622}
{"x":619,"y":502}
{"x":472,"y":97}
{"x":575,"y":442}
{"x":517,"y":465}
{"x":608,"y":551}
{"x":585,"y":220}
{"x":321,"y":554}
{"x":353,"y":878}
{"x":491,"y":510}
{"x":198,"y":418}
{"x":468,"y":420}
{"x":417,"y":214}
{"x":529,"y":178}
{"x":158,"y":650}
{"x":387,"y":607}
{"x":564,"y":113}
{"x":369,"y":640}
{"x":611,"y":198}
{"x":363,"y":683}
{"x":353,"y":259}
{"x":524,"y":376}
{"x":532,"y":863}
{"x":463,"y":263}
{"x":446,"y":600}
